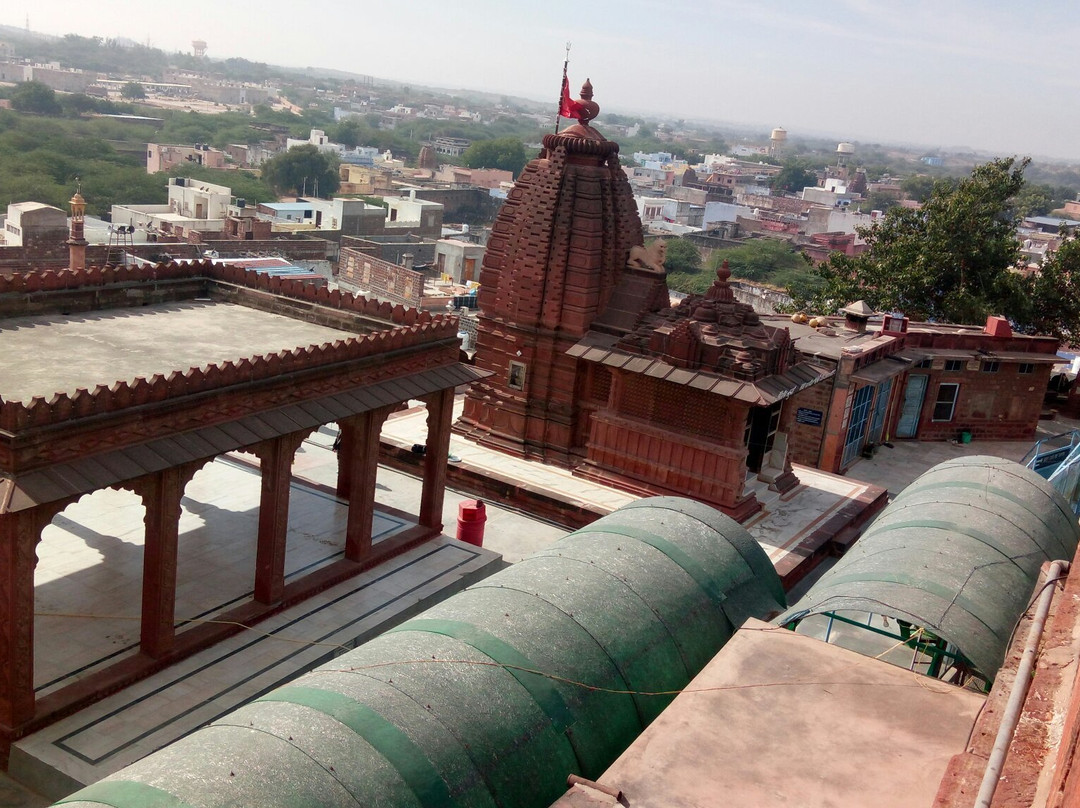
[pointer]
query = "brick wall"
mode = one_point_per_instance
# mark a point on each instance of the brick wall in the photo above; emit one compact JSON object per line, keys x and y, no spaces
{"x":21,"y":259}
{"x":779,"y":204}
{"x":804,"y":440}
{"x":386,"y":280}
{"x":1001,"y":405}
{"x":393,"y":250}
{"x":991,"y":406}
{"x":472,"y":206}
{"x":296,"y":249}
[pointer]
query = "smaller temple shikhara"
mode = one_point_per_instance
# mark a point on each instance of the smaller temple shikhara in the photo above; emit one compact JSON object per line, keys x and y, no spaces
{"x":76,"y":418}
{"x":591,"y":366}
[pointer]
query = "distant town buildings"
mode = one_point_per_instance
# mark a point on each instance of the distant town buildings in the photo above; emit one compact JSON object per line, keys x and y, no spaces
{"x":165,"y":157}
{"x":68,"y":80}
{"x":450,"y":146}
{"x":359,"y":155}
{"x":32,"y":223}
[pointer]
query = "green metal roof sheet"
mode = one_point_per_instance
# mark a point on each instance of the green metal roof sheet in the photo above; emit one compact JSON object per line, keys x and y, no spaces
{"x":957,"y":552}
{"x":550,"y":667}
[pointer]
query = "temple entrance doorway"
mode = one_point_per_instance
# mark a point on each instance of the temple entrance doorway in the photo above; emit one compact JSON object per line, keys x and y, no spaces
{"x":760,"y":434}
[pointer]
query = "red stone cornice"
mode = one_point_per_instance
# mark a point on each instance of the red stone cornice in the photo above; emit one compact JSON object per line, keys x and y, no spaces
{"x":580,"y":139}
{"x":406,"y":327}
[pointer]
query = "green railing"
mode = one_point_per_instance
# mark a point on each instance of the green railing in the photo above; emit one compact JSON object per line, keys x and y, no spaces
{"x":936,"y":649}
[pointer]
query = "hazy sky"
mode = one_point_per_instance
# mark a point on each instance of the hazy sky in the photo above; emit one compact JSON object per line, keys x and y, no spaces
{"x":1002,"y":77}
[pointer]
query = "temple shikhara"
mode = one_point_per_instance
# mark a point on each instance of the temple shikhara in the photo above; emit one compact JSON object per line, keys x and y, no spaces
{"x":593,"y":368}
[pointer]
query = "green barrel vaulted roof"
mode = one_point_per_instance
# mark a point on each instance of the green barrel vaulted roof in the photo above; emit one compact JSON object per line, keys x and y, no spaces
{"x":450,"y":708}
{"x":957,"y":552}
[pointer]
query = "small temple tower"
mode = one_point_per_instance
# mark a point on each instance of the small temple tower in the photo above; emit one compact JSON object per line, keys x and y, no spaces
{"x":557,"y":250}
{"x":76,"y":239}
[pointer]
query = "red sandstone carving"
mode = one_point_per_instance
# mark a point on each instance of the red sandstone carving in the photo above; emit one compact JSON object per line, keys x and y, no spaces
{"x":557,"y":250}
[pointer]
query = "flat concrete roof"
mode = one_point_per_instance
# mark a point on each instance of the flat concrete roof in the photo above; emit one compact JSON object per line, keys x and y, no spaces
{"x":48,"y":354}
{"x":780,"y":719}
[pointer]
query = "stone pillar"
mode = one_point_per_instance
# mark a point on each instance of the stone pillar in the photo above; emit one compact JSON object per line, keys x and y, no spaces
{"x":360,"y":447}
{"x":275,"y":463}
{"x":161,"y":494}
{"x":440,"y":416}
{"x":344,"y":454}
{"x":19,"y":535}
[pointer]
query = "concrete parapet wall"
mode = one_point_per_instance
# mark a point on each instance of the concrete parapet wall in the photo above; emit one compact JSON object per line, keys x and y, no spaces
{"x":401,"y":328}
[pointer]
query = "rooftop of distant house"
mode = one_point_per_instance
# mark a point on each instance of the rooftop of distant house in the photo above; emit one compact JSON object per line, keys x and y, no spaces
{"x":833,"y":337}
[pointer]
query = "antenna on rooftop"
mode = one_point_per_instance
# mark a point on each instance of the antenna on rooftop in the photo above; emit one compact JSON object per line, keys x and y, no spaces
{"x":120,"y":236}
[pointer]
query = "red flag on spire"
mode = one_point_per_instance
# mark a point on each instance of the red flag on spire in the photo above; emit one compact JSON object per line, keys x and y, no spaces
{"x":568,"y":108}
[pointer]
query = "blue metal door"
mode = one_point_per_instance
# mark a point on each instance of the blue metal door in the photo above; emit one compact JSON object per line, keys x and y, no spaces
{"x":913,"y":401}
{"x":881,"y":405}
{"x":856,"y":433}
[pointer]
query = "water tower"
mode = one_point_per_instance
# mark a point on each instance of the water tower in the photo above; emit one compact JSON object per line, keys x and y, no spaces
{"x":199,"y":47}
{"x":777,"y":140}
{"x":844,"y":151}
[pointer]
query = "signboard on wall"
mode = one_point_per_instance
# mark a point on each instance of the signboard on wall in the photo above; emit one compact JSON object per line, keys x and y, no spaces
{"x":805,"y":415}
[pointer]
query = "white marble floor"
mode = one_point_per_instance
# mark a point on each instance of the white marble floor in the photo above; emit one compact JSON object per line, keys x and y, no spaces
{"x":88,"y":581}
{"x":88,"y":593}
{"x":166,"y":706}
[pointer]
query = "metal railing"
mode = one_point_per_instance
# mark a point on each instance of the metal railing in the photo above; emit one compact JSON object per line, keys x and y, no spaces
{"x":1049,"y":453}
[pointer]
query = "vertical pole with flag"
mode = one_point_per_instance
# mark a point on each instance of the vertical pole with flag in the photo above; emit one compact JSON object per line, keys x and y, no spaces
{"x":568,"y":108}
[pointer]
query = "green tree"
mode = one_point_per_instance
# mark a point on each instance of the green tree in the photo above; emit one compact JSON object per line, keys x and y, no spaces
{"x":682,"y":256}
{"x":952,"y":260}
{"x":879,"y":200}
{"x":761,"y":260}
{"x":300,"y":169}
{"x":348,"y":133}
{"x":793,"y":177}
{"x":1035,"y":200}
{"x":33,"y":96}
{"x":133,"y":90}
{"x":764,"y":261}
{"x":918,"y":187}
{"x":77,"y":104}
{"x":506,"y":153}
{"x":1055,"y":294}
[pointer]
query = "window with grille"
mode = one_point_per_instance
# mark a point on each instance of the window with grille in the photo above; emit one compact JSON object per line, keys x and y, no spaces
{"x":945,"y":403}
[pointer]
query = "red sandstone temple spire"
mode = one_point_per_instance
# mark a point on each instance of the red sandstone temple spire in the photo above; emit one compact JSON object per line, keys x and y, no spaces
{"x":558,"y":250}
{"x":76,"y":239}
{"x":720,"y":289}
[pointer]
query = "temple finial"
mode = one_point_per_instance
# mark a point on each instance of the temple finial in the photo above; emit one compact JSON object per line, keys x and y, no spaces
{"x":588,"y":109}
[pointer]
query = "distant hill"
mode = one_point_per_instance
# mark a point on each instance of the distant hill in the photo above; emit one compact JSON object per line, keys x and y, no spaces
{"x":11,"y":32}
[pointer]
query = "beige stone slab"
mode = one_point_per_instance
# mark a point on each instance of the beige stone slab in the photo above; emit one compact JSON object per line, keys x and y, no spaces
{"x":780,"y":719}
{"x":36,"y":353}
